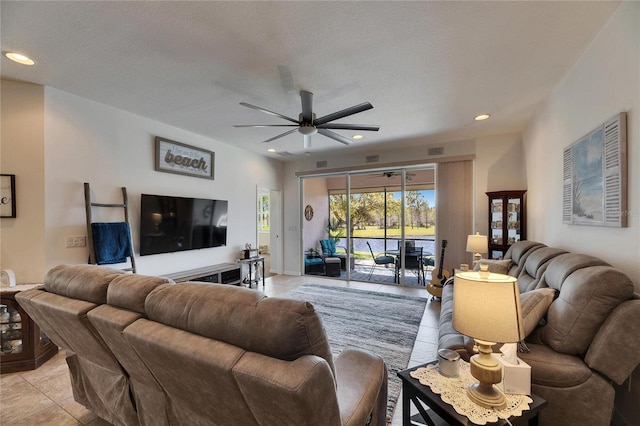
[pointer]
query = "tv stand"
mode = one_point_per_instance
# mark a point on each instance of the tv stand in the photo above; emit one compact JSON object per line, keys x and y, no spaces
{"x":224,"y":273}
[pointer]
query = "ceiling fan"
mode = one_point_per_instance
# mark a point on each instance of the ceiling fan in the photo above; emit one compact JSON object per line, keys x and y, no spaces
{"x":391,"y":174}
{"x":307,"y":124}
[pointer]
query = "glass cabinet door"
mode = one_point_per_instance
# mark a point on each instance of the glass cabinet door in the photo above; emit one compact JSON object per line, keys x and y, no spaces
{"x":514,"y":232}
{"x":497,"y":207}
{"x":10,"y":330}
{"x":507,"y":223}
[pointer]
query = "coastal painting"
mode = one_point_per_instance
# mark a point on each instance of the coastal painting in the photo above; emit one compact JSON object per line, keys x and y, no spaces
{"x":595,"y":177}
{"x":588,"y":208}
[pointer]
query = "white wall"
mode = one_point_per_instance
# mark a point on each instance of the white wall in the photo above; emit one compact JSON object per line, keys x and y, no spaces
{"x":314,"y":230}
{"x":498,"y":166}
{"x":109,"y":148}
{"x":22,"y":154}
{"x":84,"y":141}
{"x":605,"y":81}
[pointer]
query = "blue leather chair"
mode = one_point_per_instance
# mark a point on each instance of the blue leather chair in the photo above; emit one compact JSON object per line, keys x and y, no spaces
{"x":329,"y":249}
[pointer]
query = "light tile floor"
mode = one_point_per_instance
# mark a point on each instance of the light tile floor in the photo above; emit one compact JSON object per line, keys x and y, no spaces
{"x":43,"y":397}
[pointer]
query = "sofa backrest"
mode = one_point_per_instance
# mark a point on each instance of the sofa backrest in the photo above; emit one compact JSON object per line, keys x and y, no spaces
{"x":276,"y":327}
{"x":249,"y":352}
{"x":535,"y":266}
{"x":98,"y":380}
{"x":566,"y":264}
{"x":518,"y":253}
{"x":125,"y":297}
{"x":587,"y":297}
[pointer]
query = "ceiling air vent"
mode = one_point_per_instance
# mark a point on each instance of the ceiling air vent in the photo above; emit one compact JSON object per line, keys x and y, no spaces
{"x":285,"y":154}
{"x":435,"y":151}
{"x":372,"y":159}
{"x":321,"y":164}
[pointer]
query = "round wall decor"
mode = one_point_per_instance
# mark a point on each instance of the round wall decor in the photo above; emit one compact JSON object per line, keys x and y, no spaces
{"x":308,"y":212}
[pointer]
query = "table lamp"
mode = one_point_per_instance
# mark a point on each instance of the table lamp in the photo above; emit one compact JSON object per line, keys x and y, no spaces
{"x":487,"y":308}
{"x":477,"y":244}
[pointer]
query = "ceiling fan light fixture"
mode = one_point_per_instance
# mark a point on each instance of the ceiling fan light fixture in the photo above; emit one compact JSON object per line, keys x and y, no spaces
{"x":271,"y":150}
{"x":481,"y":117}
{"x":307,"y":130}
{"x":357,"y":137}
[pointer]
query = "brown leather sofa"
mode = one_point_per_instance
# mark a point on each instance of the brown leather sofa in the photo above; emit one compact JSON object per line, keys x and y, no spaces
{"x":588,"y":339}
{"x":142,"y":350}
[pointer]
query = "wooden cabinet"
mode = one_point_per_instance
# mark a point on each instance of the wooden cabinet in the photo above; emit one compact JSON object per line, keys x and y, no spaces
{"x":507,"y":221}
{"x":224,"y":273}
{"x":24,"y":346}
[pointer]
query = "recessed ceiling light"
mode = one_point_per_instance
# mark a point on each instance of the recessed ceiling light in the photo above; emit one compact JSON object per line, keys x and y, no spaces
{"x":271,"y":150}
{"x":481,"y":117}
{"x":357,"y":137}
{"x":19,"y":58}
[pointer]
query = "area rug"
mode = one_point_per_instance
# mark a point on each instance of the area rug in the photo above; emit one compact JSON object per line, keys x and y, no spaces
{"x":385,"y":324}
{"x":380,"y":275}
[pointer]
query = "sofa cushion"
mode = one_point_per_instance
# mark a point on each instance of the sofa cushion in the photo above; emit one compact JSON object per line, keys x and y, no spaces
{"x":129,"y":291}
{"x":518,"y":253}
{"x":554,"y":369}
{"x":276,"y":327}
{"x":565,"y":264}
{"x":586,"y":299}
{"x":448,"y":337}
{"x":535,"y":266}
{"x":84,"y":282}
{"x":496,"y":266}
{"x":534,"y":305}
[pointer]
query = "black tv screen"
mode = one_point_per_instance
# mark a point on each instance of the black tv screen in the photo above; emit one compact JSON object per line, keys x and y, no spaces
{"x":169,"y":224}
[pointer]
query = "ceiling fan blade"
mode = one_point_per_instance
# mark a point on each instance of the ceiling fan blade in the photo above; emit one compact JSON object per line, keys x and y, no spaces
{"x":333,"y":135}
{"x":307,"y":106}
{"x":307,"y":141}
{"x":265,"y":125}
{"x":344,"y":113}
{"x":269,"y":112}
{"x":349,"y":127}
{"x":288,"y":132}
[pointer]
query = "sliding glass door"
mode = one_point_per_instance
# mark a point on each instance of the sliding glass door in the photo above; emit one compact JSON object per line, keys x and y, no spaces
{"x":382,"y":223}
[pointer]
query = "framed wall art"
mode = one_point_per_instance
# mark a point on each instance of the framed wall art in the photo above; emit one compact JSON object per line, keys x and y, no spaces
{"x":595,"y":177}
{"x":183,"y":159}
{"x":7,"y":195}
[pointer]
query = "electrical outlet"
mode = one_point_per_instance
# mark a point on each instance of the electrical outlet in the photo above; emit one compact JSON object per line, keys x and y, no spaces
{"x":76,"y":241}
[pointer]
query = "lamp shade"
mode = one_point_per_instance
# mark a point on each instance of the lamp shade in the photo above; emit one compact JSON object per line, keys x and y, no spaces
{"x":488,"y":307}
{"x":477,"y":243}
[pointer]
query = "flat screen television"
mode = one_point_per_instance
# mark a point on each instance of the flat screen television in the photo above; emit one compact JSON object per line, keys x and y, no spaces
{"x":170,"y":224}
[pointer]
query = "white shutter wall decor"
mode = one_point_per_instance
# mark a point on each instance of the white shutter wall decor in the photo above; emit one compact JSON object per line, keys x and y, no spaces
{"x":594,"y":190}
{"x":615,"y":171}
{"x":567,"y":188}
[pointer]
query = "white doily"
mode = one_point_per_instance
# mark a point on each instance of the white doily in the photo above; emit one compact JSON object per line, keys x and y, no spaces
{"x":453,"y":391}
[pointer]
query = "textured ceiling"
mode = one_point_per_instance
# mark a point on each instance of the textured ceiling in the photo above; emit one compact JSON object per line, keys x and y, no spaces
{"x":427,"y":67}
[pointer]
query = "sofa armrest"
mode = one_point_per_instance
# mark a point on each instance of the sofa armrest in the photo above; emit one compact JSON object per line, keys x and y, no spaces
{"x":615,"y":350}
{"x":361,"y":386}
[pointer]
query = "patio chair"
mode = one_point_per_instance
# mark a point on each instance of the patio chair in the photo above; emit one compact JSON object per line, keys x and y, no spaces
{"x":382,"y":259}
{"x":329,"y":249}
{"x":413,"y":262}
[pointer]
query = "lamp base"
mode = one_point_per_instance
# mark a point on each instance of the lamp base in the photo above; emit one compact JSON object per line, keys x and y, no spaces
{"x":486,"y":395}
{"x":488,"y":371}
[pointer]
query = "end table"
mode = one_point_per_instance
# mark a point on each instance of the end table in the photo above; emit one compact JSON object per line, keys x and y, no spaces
{"x":418,"y":394}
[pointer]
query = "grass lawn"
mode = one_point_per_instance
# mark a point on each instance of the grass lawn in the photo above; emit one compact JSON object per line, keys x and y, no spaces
{"x":375,"y":232}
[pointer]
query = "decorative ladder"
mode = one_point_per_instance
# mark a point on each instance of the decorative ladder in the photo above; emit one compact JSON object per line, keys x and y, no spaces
{"x":88,"y":207}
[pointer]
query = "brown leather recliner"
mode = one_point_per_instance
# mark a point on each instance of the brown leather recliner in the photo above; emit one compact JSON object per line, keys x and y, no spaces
{"x":589,"y":338}
{"x":60,"y":309}
{"x":213,"y":354}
